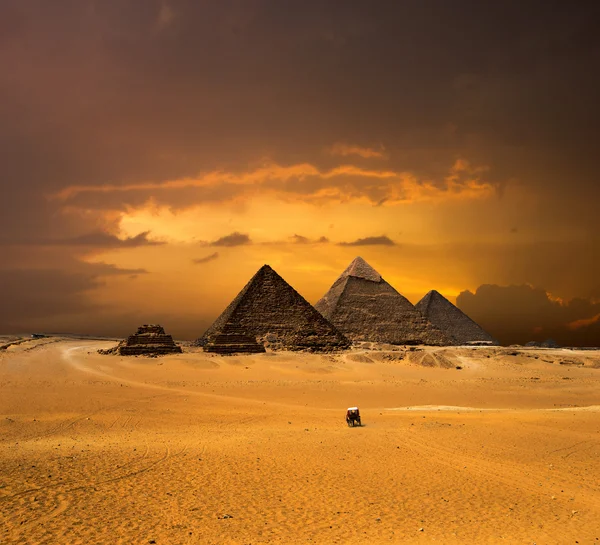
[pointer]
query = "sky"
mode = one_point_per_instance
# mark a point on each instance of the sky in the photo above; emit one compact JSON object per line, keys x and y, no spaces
{"x":155,"y":153}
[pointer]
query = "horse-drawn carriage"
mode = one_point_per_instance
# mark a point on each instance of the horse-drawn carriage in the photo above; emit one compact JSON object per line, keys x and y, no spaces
{"x":353,"y":417}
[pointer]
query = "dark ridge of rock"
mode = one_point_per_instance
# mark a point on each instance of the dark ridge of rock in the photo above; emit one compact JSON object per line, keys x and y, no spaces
{"x":364,"y":307}
{"x":268,"y":311}
{"x":452,"y":321}
{"x":149,"y":340}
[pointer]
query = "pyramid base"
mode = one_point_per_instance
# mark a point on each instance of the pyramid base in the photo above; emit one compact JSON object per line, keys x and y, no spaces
{"x":148,"y":350}
{"x":141,"y":350}
{"x":233,"y":343}
{"x":229,"y":349}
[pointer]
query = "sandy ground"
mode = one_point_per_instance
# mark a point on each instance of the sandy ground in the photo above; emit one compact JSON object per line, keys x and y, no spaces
{"x":198,"y":448}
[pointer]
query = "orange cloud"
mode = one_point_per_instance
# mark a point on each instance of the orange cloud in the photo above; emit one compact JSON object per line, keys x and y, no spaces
{"x":301,"y":182}
{"x":382,"y":240}
{"x":206,"y":259}
{"x":345,"y":150}
{"x":584,"y":322}
{"x":234,"y":239}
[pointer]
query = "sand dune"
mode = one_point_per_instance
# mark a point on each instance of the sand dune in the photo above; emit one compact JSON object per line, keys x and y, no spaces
{"x":198,"y":448}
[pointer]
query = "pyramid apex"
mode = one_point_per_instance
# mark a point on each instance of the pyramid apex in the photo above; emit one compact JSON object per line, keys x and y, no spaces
{"x":359,"y":268}
{"x":265,"y":267}
{"x":429,"y":297}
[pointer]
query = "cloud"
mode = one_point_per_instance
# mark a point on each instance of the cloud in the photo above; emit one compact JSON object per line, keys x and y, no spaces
{"x":105,"y":240}
{"x":382,"y":240}
{"x":584,"y":322}
{"x":299,"y":239}
{"x":518,"y":314}
{"x":29,"y":295}
{"x":108,"y":269}
{"x":234,"y":239}
{"x":97,"y":239}
{"x":206,"y":259}
{"x":346,"y":150}
{"x":300,"y":182}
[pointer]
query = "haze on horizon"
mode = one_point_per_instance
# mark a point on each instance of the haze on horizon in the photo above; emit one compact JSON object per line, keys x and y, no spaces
{"x":156,"y":153}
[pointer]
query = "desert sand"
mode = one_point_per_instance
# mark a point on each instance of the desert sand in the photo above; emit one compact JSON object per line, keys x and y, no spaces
{"x":199,"y":448}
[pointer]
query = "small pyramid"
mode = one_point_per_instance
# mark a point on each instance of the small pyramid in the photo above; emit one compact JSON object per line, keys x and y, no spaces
{"x":269,"y":310}
{"x":451,"y":320}
{"x":149,"y":340}
{"x":364,"y":307}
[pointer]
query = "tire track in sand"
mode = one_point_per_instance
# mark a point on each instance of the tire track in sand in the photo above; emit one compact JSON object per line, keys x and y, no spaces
{"x":484,"y":468}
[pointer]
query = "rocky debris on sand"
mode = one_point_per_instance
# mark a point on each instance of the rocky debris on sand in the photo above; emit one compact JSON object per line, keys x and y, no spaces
{"x":548,"y":343}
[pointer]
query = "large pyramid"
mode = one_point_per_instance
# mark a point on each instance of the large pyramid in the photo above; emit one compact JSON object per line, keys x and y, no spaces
{"x":451,"y":320}
{"x":268,"y":309}
{"x":364,"y":307}
{"x":149,"y":340}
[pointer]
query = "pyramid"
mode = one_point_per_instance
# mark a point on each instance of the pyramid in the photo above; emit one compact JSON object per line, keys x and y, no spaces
{"x":269,"y":310}
{"x":451,"y":320}
{"x":149,"y":340}
{"x":364,"y":307}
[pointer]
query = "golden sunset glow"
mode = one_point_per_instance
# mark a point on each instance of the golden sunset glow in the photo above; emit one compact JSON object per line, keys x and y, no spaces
{"x":154,"y":164}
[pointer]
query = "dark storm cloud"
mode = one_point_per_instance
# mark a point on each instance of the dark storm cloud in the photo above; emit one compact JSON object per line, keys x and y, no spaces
{"x":371,"y":241}
{"x":222,"y":82}
{"x":33,"y":294}
{"x":105,"y":92}
{"x":234,"y":239}
{"x":518,"y":314}
{"x":567,"y":268}
{"x":206,"y":259}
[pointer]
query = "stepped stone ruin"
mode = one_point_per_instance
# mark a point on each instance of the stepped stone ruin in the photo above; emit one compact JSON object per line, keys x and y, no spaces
{"x":452,"y":321}
{"x":268,"y":311}
{"x":364,"y":307}
{"x":149,"y":340}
